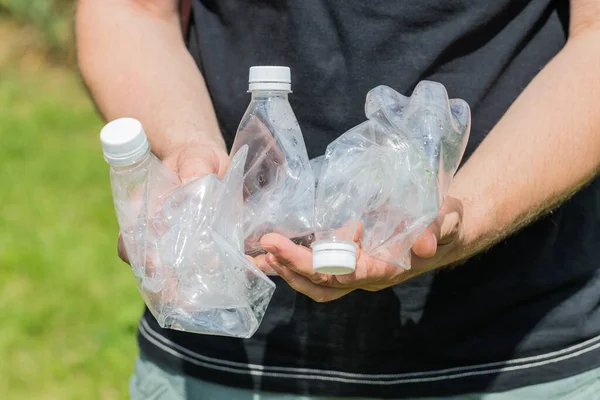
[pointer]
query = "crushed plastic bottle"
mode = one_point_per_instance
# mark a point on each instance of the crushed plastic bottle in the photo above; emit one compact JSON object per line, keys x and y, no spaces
{"x":278,"y":181}
{"x":383,"y":182}
{"x":185,"y":243}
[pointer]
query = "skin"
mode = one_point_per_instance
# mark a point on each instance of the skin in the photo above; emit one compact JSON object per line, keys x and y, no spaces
{"x":133,"y":59}
{"x":134,"y":62}
{"x":545,"y":148}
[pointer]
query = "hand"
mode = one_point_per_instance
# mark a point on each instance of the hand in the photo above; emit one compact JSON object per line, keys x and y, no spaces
{"x":190,"y":161}
{"x":195,"y":160}
{"x":436,"y":247}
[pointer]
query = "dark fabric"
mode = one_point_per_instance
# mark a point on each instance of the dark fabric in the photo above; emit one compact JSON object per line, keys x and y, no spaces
{"x":535,"y":294}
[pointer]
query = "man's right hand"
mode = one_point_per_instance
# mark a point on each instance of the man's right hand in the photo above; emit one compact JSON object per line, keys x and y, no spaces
{"x":170,"y":97}
{"x":195,"y":160}
{"x":191,"y":161}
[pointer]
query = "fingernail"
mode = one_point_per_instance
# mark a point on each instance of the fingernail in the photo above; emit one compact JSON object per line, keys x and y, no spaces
{"x":271,"y":249}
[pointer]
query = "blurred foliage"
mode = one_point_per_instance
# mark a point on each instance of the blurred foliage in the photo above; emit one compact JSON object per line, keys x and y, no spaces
{"x":69,"y":306}
{"x":52,"y":18}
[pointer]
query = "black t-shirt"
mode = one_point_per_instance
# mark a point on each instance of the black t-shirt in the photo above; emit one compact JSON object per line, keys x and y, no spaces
{"x":525,"y":312}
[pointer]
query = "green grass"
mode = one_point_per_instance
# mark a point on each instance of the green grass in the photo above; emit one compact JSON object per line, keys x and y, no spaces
{"x":68,"y":306}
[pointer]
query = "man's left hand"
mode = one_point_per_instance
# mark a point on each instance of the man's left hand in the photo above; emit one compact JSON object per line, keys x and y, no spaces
{"x":436,"y":247}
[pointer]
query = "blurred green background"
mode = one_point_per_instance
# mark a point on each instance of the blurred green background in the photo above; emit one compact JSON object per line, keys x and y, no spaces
{"x":68,"y":306}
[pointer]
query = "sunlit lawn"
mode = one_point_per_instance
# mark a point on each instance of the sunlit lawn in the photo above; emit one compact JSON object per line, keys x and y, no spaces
{"x":68,"y":306}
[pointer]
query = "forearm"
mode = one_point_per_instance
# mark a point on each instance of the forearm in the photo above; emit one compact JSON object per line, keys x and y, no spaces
{"x":544,"y":149}
{"x":133,"y":59}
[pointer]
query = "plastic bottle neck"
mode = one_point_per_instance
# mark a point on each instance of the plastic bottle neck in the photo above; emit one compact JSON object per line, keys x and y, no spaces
{"x":141,"y":161}
{"x":269,"y":94}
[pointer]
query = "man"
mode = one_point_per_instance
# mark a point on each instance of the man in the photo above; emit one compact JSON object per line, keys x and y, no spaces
{"x":519,"y":318}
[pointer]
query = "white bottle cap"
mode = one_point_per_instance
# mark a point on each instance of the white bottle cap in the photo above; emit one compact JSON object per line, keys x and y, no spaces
{"x":270,"y":78}
{"x":124,"y":141}
{"x":334,"y":258}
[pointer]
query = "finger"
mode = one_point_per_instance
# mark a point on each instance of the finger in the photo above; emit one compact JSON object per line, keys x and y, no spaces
{"x":426,"y":245}
{"x":262,"y":264}
{"x":192,"y":167}
{"x":121,"y":249}
{"x":449,"y":228}
{"x":195,"y":160}
{"x":302,"y":284}
{"x":147,"y":266}
{"x":296,"y":261}
{"x":444,"y":230}
{"x":297,"y":258}
{"x":371,"y":272}
{"x":358,"y":232}
{"x":450,"y":220}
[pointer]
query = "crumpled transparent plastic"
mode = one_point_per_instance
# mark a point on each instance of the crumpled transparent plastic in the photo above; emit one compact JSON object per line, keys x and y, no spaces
{"x":185,"y":245}
{"x":386,"y":178}
{"x":278,"y":181}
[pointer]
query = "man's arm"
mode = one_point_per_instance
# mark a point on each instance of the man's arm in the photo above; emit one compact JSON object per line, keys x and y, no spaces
{"x":134,"y":61}
{"x":545,"y":148}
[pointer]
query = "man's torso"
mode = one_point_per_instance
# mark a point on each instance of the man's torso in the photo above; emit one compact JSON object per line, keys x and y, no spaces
{"x":526,"y":310}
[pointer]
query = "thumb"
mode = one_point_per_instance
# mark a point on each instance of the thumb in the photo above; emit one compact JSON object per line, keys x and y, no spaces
{"x":297,"y":258}
{"x":195,"y":166}
{"x":444,"y":230}
{"x":426,"y":245}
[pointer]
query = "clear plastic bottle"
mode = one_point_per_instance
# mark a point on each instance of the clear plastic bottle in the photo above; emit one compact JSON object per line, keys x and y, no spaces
{"x":382,"y":182}
{"x":278,"y":181}
{"x":136,"y":176}
{"x":185,"y":243}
